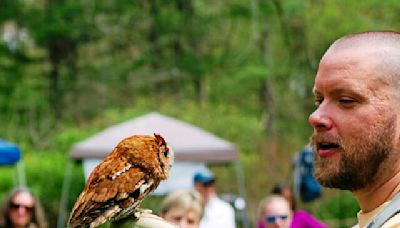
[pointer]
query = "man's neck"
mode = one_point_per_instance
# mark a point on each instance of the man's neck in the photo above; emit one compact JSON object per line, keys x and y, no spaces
{"x":375,"y":195}
{"x":209,"y":198}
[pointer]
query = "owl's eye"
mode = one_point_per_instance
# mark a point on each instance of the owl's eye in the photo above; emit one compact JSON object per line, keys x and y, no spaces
{"x":165,"y":153}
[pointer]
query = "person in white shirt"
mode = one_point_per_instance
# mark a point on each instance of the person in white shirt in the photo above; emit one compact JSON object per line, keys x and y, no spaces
{"x":217,"y":213}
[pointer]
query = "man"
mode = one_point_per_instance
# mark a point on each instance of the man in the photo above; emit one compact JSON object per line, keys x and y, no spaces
{"x":217,"y":213}
{"x":356,"y":124}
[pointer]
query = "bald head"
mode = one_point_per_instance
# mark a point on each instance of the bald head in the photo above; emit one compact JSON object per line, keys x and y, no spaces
{"x":384,"y":47}
{"x":378,"y":40}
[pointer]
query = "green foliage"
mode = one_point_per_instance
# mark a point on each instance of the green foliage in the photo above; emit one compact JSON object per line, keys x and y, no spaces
{"x":7,"y":175}
{"x":339,"y":206}
{"x":338,"y":209}
{"x":230,"y":67}
{"x":63,"y":20}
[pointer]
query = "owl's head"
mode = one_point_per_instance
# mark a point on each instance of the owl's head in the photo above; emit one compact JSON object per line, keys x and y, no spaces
{"x":149,"y":152}
{"x":165,"y":155}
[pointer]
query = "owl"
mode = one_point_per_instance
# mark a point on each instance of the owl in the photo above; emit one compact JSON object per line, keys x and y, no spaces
{"x":122,"y":180}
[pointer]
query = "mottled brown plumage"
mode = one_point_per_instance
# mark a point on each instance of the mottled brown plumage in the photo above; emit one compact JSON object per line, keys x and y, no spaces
{"x":120,"y":182}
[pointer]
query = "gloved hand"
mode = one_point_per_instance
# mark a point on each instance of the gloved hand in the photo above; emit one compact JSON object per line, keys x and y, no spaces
{"x":145,"y":220}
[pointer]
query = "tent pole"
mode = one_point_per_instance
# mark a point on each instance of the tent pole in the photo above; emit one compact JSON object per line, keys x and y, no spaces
{"x":64,"y":195}
{"x":21,"y":173}
{"x":15,"y":175}
{"x":242,"y":191}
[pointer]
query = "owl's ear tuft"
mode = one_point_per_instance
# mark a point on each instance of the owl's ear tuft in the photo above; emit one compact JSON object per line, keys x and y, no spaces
{"x":159,"y":140}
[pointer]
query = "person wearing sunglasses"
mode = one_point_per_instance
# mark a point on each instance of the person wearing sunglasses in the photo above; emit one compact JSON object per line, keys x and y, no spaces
{"x":21,"y":209}
{"x":300,"y":218}
{"x":274,"y":211}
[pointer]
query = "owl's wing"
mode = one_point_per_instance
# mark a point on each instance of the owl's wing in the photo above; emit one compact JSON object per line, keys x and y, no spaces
{"x":114,"y":187}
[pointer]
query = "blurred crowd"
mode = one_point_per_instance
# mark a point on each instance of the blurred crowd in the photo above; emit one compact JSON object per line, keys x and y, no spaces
{"x":203,"y":208}
{"x":197,"y":208}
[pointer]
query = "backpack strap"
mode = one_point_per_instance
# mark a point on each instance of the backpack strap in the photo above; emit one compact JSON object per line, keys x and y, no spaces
{"x":388,"y":212}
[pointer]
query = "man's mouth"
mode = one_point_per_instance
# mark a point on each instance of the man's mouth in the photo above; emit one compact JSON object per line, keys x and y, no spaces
{"x":327,"y":149}
{"x":327,"y":146}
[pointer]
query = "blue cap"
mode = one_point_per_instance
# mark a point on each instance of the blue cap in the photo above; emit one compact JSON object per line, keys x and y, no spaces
{"x":203,"y":177}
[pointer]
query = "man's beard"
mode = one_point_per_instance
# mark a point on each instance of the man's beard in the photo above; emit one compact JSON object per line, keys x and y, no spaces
{"x":360,"y":157}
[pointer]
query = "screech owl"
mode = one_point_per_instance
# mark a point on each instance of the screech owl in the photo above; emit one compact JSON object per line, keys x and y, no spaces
{"x":120,"y":182}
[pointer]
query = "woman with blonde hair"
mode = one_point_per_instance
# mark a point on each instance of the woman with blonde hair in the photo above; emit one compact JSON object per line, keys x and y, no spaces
{"x":22,"y":209}
{"x":183,"y":208}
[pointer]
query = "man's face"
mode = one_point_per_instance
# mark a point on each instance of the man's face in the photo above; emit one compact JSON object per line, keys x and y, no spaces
{"x":206,"y":190}
{"x":354,"y":123}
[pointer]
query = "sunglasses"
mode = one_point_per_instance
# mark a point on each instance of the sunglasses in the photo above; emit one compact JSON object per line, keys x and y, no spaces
{"x":16,"y":206}
{"x":273,"y":218}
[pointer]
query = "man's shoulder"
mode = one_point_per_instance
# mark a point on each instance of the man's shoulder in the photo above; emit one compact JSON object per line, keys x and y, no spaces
{"x":218,"y":213}
{"x":392,"y":222}
{"x":221,"y":203}
{"x":217,"y":204}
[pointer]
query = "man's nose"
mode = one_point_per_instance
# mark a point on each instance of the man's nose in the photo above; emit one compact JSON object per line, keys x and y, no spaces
{"x":320,"y":118}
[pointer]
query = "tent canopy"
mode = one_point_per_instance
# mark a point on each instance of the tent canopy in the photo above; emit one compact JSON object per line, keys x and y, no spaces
{"x":9,"y":153}
{"x":189,"y":143}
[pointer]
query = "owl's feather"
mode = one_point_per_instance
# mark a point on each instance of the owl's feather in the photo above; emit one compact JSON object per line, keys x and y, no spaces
{"x":117,"y":185}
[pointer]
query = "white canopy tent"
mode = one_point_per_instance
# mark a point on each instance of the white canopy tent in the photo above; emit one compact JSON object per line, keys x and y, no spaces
{"x":189,"y":143}
{"x":194,"y":148}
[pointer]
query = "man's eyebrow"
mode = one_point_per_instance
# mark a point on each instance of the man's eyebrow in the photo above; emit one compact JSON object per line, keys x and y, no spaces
{"x":346,"y":91}
{"x":340,"y":91}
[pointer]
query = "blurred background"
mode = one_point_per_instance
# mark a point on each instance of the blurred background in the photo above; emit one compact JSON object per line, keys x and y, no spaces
{"x":240,"y":69}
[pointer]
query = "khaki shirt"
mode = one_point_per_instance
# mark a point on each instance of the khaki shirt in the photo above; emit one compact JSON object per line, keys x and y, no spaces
{"x":365,"y":218}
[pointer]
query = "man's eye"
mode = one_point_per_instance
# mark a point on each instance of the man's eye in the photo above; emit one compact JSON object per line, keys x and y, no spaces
{"x":346,"y":101}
